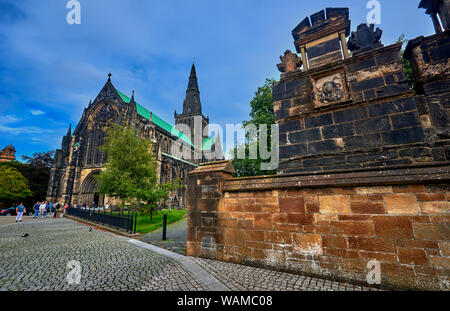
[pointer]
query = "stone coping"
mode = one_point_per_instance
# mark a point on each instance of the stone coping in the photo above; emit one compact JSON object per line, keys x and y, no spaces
{"x":409,"y":175}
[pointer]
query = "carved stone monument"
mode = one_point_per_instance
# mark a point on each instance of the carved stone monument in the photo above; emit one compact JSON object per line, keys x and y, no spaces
{"x":365,"y":38}
{"x":289,"y":62}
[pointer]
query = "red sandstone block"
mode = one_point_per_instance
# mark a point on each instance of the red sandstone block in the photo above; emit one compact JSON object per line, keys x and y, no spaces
{"x":354,"y":217}
{"x":279,"y":218}
{"x":323,"y":229}
{"x":288,"y":228}
{"x":420,"y":219}
{"x":267,"y":200}
{"x":343,"y":253}
{"x":278,"y":237}
{"x":270,"y":208}
{"x":191,"y":234}
{"x":334,"y":241}
{"x":226,"y":223}
{"x":264,"y":194}
{"x":431,"y":231}
{"x":312,"y":204}
{"x":245,"y":224}
{"x":290,"y":205}
{"x":301,"y":219}
{"x":359,"y":198}
{"x":263,"y":221}
{"x":352,"y":228}
{"x":426,"y":270}
{"x":258,"y":245}
{"x":420,"y":244}
{"x":367,"y":208}
{"x":440,"y":219}
{"x":372,"y":244}
{"x":431,"y":197}
{"x":443,"y":262}
{"x":252,"y":235}
{"x":376,"y":197}
{"x":257,"y":254}
{"x":393,"y":226}
{"x":396,"y":271}
{"x":410,"y":189}
{"x":412,"y":256}
{"x":383,"y":257}
{"x":346,"y":190}
{"x":432,"y":252}
{"x":308,"y":228}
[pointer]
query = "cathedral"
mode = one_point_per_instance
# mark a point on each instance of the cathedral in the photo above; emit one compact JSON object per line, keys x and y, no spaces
{"x":80,"y":160}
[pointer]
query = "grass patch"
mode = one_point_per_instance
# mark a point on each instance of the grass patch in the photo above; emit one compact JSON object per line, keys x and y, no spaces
{"x":143,"y":224}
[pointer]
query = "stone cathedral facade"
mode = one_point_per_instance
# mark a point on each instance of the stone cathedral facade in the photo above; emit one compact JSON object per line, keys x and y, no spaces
{"x":80,"y":160}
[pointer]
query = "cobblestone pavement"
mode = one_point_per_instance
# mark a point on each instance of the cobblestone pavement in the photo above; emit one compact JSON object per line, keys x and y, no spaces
{"x":245,"y":278}
{"x":176,"y":237}
{"x":38,"y":262}
{"x":5,"y":220}
{"x":110,"y":262}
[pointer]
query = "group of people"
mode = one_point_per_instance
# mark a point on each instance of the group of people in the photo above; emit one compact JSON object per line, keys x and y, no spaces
{"x":45,"y":209}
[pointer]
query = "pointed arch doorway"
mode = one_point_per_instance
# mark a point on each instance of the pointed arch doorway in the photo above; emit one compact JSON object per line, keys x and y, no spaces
{"x":89,"y":190}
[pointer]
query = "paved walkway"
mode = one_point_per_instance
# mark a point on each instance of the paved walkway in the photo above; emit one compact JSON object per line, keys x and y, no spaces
{"x":4,"y":220}
{"x":111,"y":262}
{"x":176,"y":237}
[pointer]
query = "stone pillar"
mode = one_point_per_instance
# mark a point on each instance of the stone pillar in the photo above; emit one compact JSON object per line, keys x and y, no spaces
{"x":444,"y":13}
{"x":304,"y":58}
{"x":436,"y":23}
{"x":344,"y":44}
{"x":204,"y":200}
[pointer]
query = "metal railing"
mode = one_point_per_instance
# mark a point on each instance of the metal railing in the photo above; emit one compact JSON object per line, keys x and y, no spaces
{"x":126,"y":222}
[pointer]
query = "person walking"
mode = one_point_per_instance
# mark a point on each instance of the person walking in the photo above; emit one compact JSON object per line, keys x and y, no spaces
{"x":20,"y":209}
{"x":57,"y":206}
{"x":36,"y":209}
{"x":42,"y":208}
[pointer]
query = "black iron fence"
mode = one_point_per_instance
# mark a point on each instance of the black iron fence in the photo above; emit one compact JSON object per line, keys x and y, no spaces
{"x":126,"y":221}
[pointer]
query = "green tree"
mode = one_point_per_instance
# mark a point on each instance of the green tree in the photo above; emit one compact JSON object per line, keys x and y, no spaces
{"x":40,"y":159}
{"x":130,"y":172}
{"x":407,"y":64}
{"x":13,"y":186}
{"x":261,"y":113}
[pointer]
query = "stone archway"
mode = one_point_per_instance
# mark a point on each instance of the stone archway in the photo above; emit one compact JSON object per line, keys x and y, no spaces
{"x":89,"y":190}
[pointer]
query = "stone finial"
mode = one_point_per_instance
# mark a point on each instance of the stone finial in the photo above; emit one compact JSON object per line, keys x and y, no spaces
{"x":289,"y":62}
{"x":365,"y":38}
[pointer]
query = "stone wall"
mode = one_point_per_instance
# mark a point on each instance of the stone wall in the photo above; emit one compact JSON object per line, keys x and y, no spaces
{"x":378,"y":121}
{"x":328,"y":225}
{"x":364,"y":165}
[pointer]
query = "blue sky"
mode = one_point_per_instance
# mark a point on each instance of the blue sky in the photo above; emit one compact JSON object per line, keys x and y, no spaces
{"x":49,"y":70}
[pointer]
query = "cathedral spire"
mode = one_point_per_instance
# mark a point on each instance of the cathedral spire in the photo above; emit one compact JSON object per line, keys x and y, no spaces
{"x":193,"y":84}
{"x":69,"y":132}
{"x":192,"y":103}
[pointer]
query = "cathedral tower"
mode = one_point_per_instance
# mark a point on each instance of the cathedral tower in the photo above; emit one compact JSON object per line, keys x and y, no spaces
{"x":192,"y":109}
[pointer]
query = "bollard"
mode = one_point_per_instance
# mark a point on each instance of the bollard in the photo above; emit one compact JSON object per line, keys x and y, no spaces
{"x":164,"y":236}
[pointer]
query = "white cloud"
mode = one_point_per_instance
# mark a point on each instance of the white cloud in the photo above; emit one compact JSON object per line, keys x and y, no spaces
{"x":8,"y":119}
{"x":37,"y":112}
{"x":23,"y":130}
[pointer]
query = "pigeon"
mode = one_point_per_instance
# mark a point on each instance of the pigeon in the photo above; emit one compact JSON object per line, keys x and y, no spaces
{"x":25,"y":235}
{"x":90,"y":229}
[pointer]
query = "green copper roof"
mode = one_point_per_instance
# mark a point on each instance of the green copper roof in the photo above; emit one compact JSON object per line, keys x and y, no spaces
{"x":208,"y":143}
{"x":142,"y":111}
